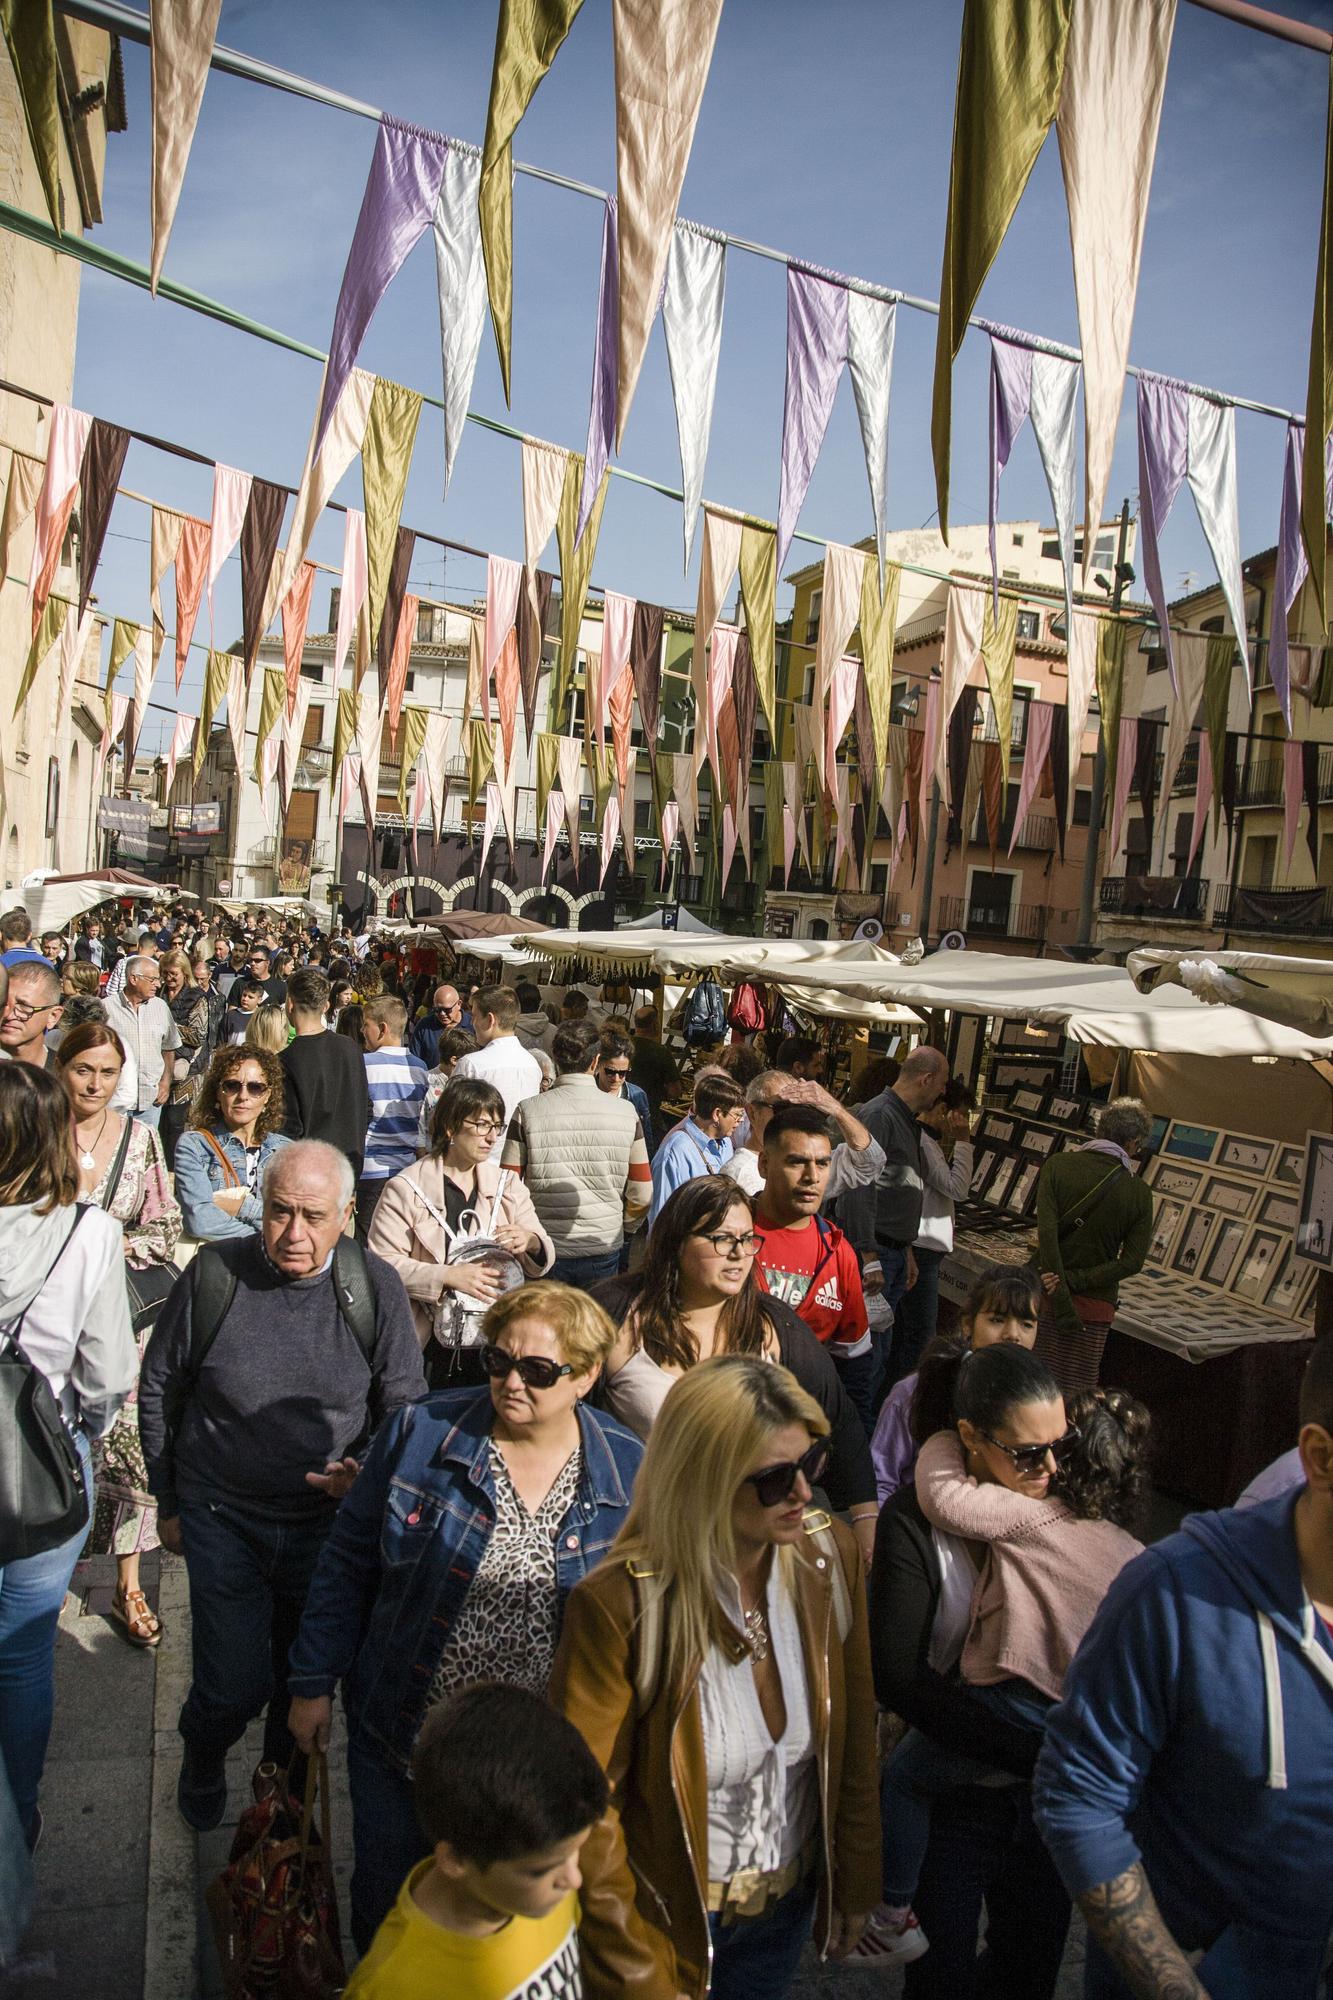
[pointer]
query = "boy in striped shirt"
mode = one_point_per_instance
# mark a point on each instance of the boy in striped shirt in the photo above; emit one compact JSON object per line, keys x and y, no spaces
{"x":396,"y":1081}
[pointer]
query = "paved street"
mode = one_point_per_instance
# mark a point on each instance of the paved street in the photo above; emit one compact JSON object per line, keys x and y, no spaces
{"x":120,"y":1912}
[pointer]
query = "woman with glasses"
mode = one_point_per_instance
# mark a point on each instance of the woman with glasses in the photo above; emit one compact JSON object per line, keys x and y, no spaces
{"x":451,"y":1558}
{"x":235,"y":1129}
{"x":987,"y":1573}
{"x":718,"y":1666}
{"x":431,"y":1211}
{"x":696,"y":1295}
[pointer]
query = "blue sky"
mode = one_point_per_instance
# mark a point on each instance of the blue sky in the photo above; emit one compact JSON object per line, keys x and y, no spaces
{"x":825,"y":132}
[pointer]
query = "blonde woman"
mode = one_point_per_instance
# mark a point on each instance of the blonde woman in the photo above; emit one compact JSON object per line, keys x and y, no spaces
{"x":269,"y":1028}
{"x":718,"y":1666}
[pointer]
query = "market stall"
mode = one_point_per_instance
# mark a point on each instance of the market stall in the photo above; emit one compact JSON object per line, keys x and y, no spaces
{"x":1296,"y":992}
{"x":53,"y":901}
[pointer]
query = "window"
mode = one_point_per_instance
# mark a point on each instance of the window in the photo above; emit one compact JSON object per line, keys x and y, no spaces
{"x":1029,"y":625}
{"x":409,"y":681}
{"x":1051,"y":550}
{"x":1082,"y":807}
{"x":990,"y":901}
{"x":808,"y":686}
{"x":425,"y":624}
{"x":312,"y":671}
{"x":313,"y":734}
{"x":1136,"y":846}
{"x":1213,"y":625}
{"x":812,"y":616}
{"x":879,"y":878}
{"x":1258,"y":863}
{"x":1103,"y":552}
{"x":1018,"y":541}
{"x":641,"y":809}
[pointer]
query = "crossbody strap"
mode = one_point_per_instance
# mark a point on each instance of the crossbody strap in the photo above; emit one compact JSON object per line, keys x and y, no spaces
{"x":1088,"y":1203}
{"x":16,"y":1329}
{"x":233,"y":1178}
{"x":117,"y":1166}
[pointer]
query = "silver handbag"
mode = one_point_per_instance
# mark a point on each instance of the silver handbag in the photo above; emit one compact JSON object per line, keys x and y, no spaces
{"x":458,"y":1315}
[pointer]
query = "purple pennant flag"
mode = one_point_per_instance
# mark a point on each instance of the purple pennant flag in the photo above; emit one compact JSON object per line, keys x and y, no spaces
{"x":816,"y":351}
{"x":1010,"y":399}
{"x":397,"y":208}
{"x":605,"y":369}
{"x":1163,"y":463}
{"x":1292,"y":566}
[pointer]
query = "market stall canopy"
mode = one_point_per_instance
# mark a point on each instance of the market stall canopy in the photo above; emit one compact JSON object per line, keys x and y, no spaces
{"x":1295,"y":992}
{"x":822,"y":1004}
{"x":282,"y":906}
{"x":764,"y":958}
{"x":460,"y":925}
{"x":655,"y":920}
{"x":1097,"y":1004}
{"x":52,"y":901}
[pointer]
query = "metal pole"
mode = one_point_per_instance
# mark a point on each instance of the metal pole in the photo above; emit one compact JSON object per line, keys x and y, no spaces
{"x":1092,"y":855}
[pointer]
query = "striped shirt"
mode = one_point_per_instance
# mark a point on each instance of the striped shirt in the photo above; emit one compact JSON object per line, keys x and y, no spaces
{"x":396,"y":1081}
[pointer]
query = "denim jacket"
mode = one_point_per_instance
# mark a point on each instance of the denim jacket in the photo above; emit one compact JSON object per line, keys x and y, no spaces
{"x":199,"y":1175}
{"x":408,"y":1540}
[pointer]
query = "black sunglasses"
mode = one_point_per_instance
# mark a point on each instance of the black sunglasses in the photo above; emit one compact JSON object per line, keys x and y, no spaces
{"x":1029,"y":1457}
{"x":534,"y":1370}
{"x":778,"y":1482}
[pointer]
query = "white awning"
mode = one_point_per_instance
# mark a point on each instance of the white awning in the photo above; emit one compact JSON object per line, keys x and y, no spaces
{"x":1296,"y":993}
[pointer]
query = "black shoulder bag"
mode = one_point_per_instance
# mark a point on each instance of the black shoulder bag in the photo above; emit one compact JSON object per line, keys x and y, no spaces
{"x":43,"y":1500}
{"x":148,"y":1289}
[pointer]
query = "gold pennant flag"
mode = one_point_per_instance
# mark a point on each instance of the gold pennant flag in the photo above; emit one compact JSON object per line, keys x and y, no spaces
{"x":576,"y":559}
{"x":759,"y":594}
{"x":414,"y":738}
{"x":270,"y":708}
{"x":386,"y":458}
{"x":999,"y":640}
{"x":124,"y":637}
{"x":216,"y":676}
{"x":51,"y":625}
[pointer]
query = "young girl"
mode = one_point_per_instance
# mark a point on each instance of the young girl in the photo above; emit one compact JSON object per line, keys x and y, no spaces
{"x":1002,"y":1306}
{"x":1054,"y":1498}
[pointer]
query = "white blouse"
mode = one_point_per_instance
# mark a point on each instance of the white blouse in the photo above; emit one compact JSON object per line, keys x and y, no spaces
{"x":763,"y":1796}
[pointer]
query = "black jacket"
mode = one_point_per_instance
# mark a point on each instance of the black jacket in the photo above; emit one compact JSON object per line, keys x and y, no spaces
{"x":850,"y":1480}
{"x":324,"y":1082}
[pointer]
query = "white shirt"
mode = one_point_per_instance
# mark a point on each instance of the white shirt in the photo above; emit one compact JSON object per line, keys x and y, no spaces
{"x":953,"y":1613}
{"x":75,"y":1315}
{"x":513,"y":1070}
{"x":946,"y":1182}
{"x":147,"y":1031}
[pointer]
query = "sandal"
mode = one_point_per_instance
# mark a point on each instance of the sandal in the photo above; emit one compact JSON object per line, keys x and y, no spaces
{"x":142,"y":1627}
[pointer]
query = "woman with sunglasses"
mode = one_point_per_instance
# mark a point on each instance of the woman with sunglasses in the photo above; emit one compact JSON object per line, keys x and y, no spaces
{"x":235,"y":1129}
{"x":433,"y":1209}
{"x":718,"y":1666}
{"x":451,"y":1558}
{"x":696,"y":1295}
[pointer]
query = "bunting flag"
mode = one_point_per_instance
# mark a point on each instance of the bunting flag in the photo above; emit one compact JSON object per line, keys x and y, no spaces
{"x":1186,"y":437}
{"x":272,"y":700}
{"x":503,"y":579}
{"x":266,"y":778}
{"x":181,"y":40}
{"x":1059,"y":772}
{"x":507,"y":678}
{"x":555,"y":814}
{"x":165,"y":540}
{"x":124,"y":636}
{"x":386,"y":458}
{"x":610,"y":828}
{"x":717,"y":571}
{"x":490,"y":823}
{"x":645,"y":658}
{"x":44,"y":639}
{"x":60,"y":486}
{"x":1110,"y":107}
{"x":350,"y":784}
{"x":684,"y":786}
{"x":395,"y":599}
{"x":231,"y":497}
{"x":415,"y":720}
{"x":320,"y":474}
{"x":1319,"y":391}
{"x":992,"y":795}
{"x":295,"y":619}
{"x":1191,"y":662}
{"x":74,"y":637}
{"x":602,"y":773}
{"x":544,"y":468}
{"x":728,"y":844}
{"x":1310,"y":792}
{"x":1027,"y":381}
{"x":602,"y":403}
{"x":291,"y":736}
{"x":569,"y":764}
{"x":236,"y":710}
{"x":662,"y":61}
{"x":1292,"y":770}
{"x":999,"y":639}
{"x":397,"y":208}
{"x":29,"y":30}
{"x":531,"y":630}
{"x":577,"y":551}
{"x":420,"y":802}
{"x":744,"y":692}
{"x":25,"y":484}
{"x":842,"y":699}
{"x":143,"y":686}
{"x":259,"y":548}
{"x":181,"y":739}
{"x":1010,"y":69}
{"x":807,"y":743}
{"x":621,"y":705}
{"x":964,"y":622}
{"x":103,"y":461}
{"x":759,"y":594}
{"x":1203,"y":791}
{"x":1121,"y":764}
{"x":1292,"y":565}
{"x":527,"y":38}
{"x":191,"y":573}
{"x":839,"y":611}
{"x":1110,"y":679}
{"x":117,"y":710}
{"x":617,"y":634}
{"x":1216,"y":702}
{"x":1081,"y":668}
{"x":396,"y":680}
{"x":435,"y":763}
{"x":546,"y":770}
{"x":1145,"y":774}
{"x":692,"y":322}
{"x":351,"y":588}
{"x":216,"y":676}
{"x":461,"y":281}
{"x":369,"y":748}
{"x":345,"y":717}
{"x":879,"y":629}
{"x":669,"y":824}
{"x":721,"y":667}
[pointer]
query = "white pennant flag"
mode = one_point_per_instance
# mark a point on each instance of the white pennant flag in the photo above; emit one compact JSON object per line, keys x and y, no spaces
{"x":610,"y":828}
{"x":692,"y":320}
{"x":291,"y":734}
{"x":182,"y":738}
{"x":871,"y":324}
{"x":352,"y":589}
{"x":268,"y":779}
{"x":111,"y":731}
{"x":1081,"y":661}
{"x":492,"y":821}
{"x":555,"y":812}
{"x":73,"y":641}
{"x":143,"y":683}
{"x":435,"y":765}
{"x":543,"y":483}
{"x":461,"y":277}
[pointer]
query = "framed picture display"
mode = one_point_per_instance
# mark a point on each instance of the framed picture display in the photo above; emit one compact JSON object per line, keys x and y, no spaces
{"x":1246,"y":1156}
{"x":1000,"y":1181}
{"x":997,"y":1128}
{"x":1023,"y":1193}
{"x":1033,"y":1037}
{"x":1156,"y":1134}
{"x":1279,"y":1210}
{"x":1232,"y":1197}
{"x":1066,"y":1110}
{"x":1166,"y":1222}
{"x":1226,"y":1247}
{"x":1167,"y":1178}
{"x":1008,"y":1075}
{"x":983,"y":1168}
{"x":1027,"y":1100}
{"x":1254,"y":1270}
{"x":1034,"y":1140}
{"x":1190,"y":1142}
{"x":1314,"y":1227}
{"x":1289,"y":1165}
{"x":1187,"y":1258}
{"x":1291,"y":1285}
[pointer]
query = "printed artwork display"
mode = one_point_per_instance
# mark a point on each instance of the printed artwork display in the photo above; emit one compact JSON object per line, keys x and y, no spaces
{"x":1246,"y":1156}
{"x":1232,"y":1197}
{"x":1184,"y":1182}
{"x":1226,"y":1248}
{"x":1193,"y":1240}
{"x":1254,"y":1274}
{"x":1166,"y":1222}
{"x":1190,"y":1142}
{"x":1314,"y":1230}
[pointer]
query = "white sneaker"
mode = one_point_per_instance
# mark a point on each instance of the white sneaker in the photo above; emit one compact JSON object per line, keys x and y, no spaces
{"x":889,"y":1940}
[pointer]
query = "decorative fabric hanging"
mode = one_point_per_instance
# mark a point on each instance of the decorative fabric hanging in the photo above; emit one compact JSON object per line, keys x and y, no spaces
{"x":346,"y":711}
{"x":721,"y":667}
{"x":744,"y":693}
{"x":1203,"y":791}
{"x":44,"y":639}
{"x":506,"y":694}
{"x":1187,"y":437}
{"x":60,"y":488}
{"x":272,"y":697}
{"x":1310,"y":793}
{"x":25,"y":484}
{"x":1026,"y":381}
{"x":602,"y":403}
{"x":396,"y":679}
{"x":395,"y":599}
{"x":1191,"y":662}
{"x":1041,"y":719}
{"x":964,"y":622}
{"x":1059,"y":769}
{"x":191,"y":574}
{"x":259,"y":547}
{"x":103,"y":460}
{"x":669,"y":824}
{"x":236,"y":711}
{"x":181,"y":37}
{"x":291,"y":734}
{"x":320,"y":475}
{"x":1145,"y":776}
{"x":503,"y":579}
{"x":1121,"y":765}
{"x":386,"y":458}
{"x":164,"y":544}
{"x":531,"y":630}
{"x":808,"y":743}
{"x":74,"y":637}
{"x":476,"y":699}
{"x":369,"y":747}
{"x":1292,"y":565}
{"x":1319,"y":391}
{"x":489,"y":825}
{"x":123,"y":636}
{"x":217,"y":673}
{"x":29,"y":31}
{"x":569,"y":765}
{"x":1110,"y":692}
{"x":759,"y":596}
{"x":645,"y":658}
{"x":879,"y":627}
{"x":728,"y":844}
{"x":435,"y":763}
{"x":352,"y":587}
{"x":685,"y":788}
{"x":577,"y":552}
{"x":610,"y":828}
{"x":143,"y":687}
{"x":962,"y":727}
{"x":544,"y":468}
{"x":839,"y":611}
{"x":692,"y":308}
{"x":1292,"y":771}
{"x":999,"y":640}
{"x":546,"y":770}
{"x":117,"y":710}
{"x":842,"y":699}
{"x":295,"y":620}
{"x":460,"y":274}
{"x":266,"y":778}
{"x":1081,"y":669}
{"x":617,"y":632}
{"x":349,"y":785}
{"x":555,"y":814}
{"x":717,"y":572}
{"x":231,"y":497}
{"x":662,"y":57}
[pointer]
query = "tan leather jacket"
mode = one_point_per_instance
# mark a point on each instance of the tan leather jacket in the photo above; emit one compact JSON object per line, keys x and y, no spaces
{"x":644,"y":1930}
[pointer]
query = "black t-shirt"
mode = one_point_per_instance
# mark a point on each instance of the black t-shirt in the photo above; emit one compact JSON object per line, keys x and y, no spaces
{"x":324,"y":1079}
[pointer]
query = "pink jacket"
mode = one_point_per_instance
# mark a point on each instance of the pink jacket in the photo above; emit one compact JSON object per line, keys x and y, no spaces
{"x":1045,"y":1574}
{"x":404,"y":1231}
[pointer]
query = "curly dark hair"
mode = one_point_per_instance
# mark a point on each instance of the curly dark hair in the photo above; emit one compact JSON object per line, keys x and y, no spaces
{"x":697,"y":1208}
{"x":206,"y":1111}
{"x":1106,"y":1478}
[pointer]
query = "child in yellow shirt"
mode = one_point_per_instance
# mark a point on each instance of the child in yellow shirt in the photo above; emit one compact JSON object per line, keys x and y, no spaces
{"x":507,"y":1792}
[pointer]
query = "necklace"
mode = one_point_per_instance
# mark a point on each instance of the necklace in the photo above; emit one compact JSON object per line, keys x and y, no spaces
{"x":88,"y":1158}
{"x":757,"y":1634}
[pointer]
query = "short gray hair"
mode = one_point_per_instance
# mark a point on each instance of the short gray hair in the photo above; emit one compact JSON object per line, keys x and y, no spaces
{"x":314,"y":1153}
{"x":136,"y":962}
{"x":756,"y":1087}
{"x":1125,"y":1122}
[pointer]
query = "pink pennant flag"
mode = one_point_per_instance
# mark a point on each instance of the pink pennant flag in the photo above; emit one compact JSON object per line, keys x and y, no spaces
{"x":231,"y":497}
{"x":60,"y":487}
{"x":610,"y":828}
{"x":788,"y":840}
{"x":507,"y":679}
{"x":111,"y":733}
{"x":181,"y":740}
{"x":403,"y":640}
{"x":1203,"y":792}
{"x":492,"y":821}
{"x":1292,"y":780}
{"x":1124,"y":775}
{"x":355,"y":582}
{"x":420,"y":797}
{"x":721,"y":672}
{"x":503,"y":579}
{"x":555,"y":813}
{"x":728,"y":841}
{"x":295,"y":619}
{"x":670,"y":825}
{"x":621,"y":705}
{"x":268,"y":779}
{"x":617,"y":631}
{"x":842,"y":700}
{"x":1041,"y":718}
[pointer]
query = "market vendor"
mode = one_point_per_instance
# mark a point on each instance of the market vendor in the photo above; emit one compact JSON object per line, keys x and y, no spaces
{"x":1094,"y":1230}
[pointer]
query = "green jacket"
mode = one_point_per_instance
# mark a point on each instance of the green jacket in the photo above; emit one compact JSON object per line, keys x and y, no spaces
{"x":1113,"y":1241}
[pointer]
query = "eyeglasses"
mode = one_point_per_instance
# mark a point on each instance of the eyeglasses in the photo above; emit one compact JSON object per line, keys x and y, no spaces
{"x":455,"y":1009}
{"x":20,"y":1011}
{"x":610,"y":1069}
{"x":727,"y":1245}
{"x":534,"y":1371}
{"x":485,"y":1128}
{"x":235,"y":1087}
{"x":777,"y":1483}
{"x":1029,"y":1457}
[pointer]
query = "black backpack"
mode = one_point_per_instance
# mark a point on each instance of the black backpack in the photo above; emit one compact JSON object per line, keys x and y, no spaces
{"x":213,"y":1287}
{"x":705,"y":1018}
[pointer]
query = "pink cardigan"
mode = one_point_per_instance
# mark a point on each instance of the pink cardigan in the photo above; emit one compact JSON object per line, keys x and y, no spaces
{"x":1045,"y":1574}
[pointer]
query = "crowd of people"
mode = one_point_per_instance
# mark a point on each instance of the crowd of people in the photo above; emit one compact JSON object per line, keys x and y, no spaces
{"x":585,"y":1414}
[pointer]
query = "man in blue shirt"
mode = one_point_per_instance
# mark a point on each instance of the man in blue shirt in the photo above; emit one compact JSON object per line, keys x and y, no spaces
{"x":701,"y":1143}
{"x":615,"y":1052}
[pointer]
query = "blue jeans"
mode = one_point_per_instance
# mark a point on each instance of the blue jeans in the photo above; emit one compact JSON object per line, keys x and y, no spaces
{"x":31,"y":1594}
{"x":758,"y":1960}
{"x":151,"y":1116}
{"x":915,"y":1315}
{"x":584,"y":1271}
{"x":986,"y":1855}
{"x":387,"y":1841}
{"x":249,"y":1575}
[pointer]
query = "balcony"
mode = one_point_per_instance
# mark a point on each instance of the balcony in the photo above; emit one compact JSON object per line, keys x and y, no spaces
{"x":1168,"y":898}
{"x":1036,"y":833}
{"x":1263,"y":782}
{"x":1024,"y":925}
{"x":1274,"y":912}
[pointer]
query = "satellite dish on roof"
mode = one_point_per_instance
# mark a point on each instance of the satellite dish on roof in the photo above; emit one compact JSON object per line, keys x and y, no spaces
{"x":870,"y":932}
{"x":953,"y":941}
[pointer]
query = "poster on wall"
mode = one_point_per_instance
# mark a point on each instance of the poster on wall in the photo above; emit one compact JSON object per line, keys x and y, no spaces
{"x":1314,"y":1231}
{"x":294,"y":866}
